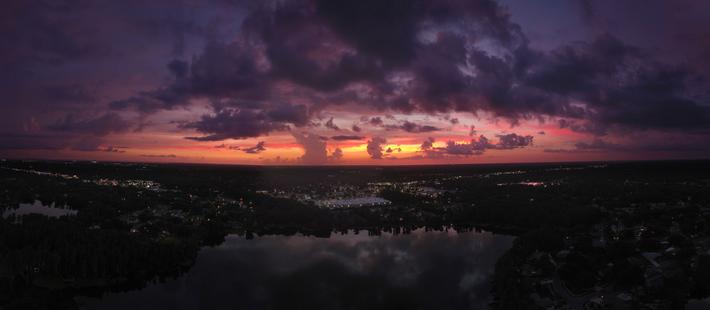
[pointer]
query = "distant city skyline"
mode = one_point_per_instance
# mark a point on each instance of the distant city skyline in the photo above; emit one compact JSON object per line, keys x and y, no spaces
{"x":322,"y":82}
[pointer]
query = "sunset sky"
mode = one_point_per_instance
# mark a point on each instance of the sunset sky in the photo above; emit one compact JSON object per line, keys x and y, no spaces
{"x":354,"y":82}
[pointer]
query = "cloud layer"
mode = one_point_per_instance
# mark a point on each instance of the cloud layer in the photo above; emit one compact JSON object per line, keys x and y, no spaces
{"x":75,"y":78}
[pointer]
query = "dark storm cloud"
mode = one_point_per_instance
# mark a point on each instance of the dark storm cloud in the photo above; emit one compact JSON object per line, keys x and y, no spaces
{"x":61,"y":59}
{"x":620,"y":84}
{"x":347,"y":137}
{"x":391,"y":33}
{"x":291,"y":37}
{"x":221,"y":71}
{"x":416,"y":128}
{"x":454,"y":55}
{"x":287,"y":113}
{"x":290,"y":32}
{"x":258,"y":148}
{"x":577,"y":68}
{"x":234,"y":124}
{"x":406,"y":126}
{"x":621,"y":87}
{"x":269,"y":66}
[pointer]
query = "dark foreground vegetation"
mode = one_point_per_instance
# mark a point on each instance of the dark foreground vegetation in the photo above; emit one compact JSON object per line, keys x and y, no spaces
{"x":636,"y":233}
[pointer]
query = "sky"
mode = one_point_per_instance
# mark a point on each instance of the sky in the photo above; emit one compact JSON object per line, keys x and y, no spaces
{"x":370,"y":82}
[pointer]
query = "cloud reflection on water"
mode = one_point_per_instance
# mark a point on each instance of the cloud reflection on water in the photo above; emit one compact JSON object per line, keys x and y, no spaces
{"x":421,"y":270}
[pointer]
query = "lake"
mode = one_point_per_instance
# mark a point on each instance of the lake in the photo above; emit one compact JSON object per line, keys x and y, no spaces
{"x":38,"y":208}
{"x":423,"y":269}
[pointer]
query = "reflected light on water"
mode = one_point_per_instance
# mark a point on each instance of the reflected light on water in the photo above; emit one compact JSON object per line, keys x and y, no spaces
{"x":423,"y":269}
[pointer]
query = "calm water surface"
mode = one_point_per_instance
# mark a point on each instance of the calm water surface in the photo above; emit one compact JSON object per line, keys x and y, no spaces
{"x":38,"y":208}
{"x":430,"y":270}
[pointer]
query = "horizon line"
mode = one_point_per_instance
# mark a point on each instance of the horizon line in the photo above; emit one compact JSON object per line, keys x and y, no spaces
{"x":612,"y":161}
